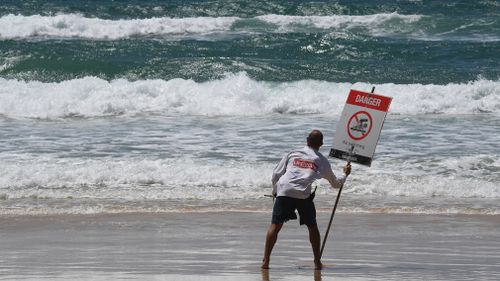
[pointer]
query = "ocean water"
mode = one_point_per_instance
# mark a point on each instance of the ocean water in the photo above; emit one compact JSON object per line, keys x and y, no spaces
{"x":186,"y":106}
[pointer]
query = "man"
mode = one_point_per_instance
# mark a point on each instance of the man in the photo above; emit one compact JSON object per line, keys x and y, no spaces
{"x":292,"y":180}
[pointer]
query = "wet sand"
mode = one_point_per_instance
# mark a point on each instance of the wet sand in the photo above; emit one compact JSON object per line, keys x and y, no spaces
{"x":229,"y":245}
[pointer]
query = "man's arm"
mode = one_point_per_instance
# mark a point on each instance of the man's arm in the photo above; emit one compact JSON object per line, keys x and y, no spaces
{"x":332,"y":179}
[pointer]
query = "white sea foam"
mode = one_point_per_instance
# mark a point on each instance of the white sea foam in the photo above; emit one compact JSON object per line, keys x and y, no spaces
{"x":133,"y":179}
{"x":188,"y":178}
{"x":234,"y":95}
{"x":93,"y":209}
{"x":34,"y":185}
{"x":382,"y":24}
{"x":372,"y":22}
{"x":425,"y":187}
{"x":74,"y":25}
{"x":78,"y":26}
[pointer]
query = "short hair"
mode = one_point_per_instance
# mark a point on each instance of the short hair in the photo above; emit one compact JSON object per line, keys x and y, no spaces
{"x":315,"y":138}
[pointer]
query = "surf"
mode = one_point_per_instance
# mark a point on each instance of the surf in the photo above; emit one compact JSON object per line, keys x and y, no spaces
{"x":79,"y":26}
{"x":234,"y":95}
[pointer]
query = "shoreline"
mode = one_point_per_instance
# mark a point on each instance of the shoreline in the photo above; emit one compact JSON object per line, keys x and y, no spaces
{"x":350,"y":204}
{"x":320,"y":211}
{"x":209,"y":210}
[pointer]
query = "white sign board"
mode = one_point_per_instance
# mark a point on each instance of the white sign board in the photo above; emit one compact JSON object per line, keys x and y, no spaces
{"x":359,"y":127}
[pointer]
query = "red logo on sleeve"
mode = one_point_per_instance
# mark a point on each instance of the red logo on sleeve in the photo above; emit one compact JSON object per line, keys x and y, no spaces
{"x":305,"y":164}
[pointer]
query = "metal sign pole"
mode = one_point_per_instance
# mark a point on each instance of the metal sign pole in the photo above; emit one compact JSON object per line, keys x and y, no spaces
{"x":331,"y":219}
{"x":333,"y":211}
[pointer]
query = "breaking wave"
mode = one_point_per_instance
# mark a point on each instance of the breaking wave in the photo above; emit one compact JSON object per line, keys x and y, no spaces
{"x":234,"y":95}
{"x":78,"y":26}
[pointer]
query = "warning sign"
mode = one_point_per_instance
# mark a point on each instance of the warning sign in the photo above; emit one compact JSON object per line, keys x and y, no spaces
{"x":359,"y":127}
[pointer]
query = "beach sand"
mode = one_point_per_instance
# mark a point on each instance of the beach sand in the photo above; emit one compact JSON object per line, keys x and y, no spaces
{"x":229,"y":245}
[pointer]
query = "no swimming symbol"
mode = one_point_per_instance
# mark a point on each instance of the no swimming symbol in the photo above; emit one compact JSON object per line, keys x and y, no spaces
{"x":359,"y":125}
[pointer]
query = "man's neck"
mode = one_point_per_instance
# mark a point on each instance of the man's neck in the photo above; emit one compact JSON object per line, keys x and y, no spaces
{"x":313,"y":148}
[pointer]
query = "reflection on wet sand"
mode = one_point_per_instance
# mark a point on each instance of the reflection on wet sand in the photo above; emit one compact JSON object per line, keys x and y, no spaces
{"x":265,"y":275}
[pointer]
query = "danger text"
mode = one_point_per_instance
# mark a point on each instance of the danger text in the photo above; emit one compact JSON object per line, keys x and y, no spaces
{"x":368,"y":100}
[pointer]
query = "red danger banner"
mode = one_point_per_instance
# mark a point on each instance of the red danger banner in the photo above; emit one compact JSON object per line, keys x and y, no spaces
{"x":369,"y":100}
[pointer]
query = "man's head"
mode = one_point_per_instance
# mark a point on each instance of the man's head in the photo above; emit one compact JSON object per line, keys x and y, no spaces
{"x":315,"y":139}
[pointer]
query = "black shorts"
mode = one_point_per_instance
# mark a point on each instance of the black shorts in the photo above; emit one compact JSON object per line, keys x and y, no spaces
{"x":284,"y":210}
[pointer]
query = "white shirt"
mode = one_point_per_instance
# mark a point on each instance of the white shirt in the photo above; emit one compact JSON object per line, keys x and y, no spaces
{"x":296,"y":172}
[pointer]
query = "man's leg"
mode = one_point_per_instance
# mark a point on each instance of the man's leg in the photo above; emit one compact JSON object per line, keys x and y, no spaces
{"x":307,"y":212}
{"x":315,"y":239}
{"x":271,"y":237}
